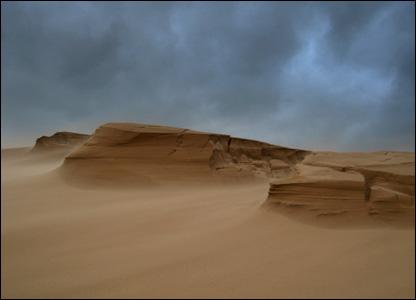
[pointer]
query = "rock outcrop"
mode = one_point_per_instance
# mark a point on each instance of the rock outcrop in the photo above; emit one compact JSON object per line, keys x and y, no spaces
{"x":319,"y":189}
{"x":380,"y":184}
{"x":136,"y":154}
{"x":65,"y":141}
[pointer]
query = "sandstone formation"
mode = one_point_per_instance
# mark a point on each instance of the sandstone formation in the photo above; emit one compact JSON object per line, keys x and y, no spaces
{"x":136,"y":154}
{"x":380,"y":184}
{"x":319,"y":189}
{"x":65,"y":141}
{"x":377,"y":184}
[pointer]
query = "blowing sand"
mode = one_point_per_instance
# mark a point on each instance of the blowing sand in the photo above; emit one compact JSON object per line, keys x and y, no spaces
{"x":61,"y":240}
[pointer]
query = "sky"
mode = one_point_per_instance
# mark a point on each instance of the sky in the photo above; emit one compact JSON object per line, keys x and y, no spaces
{"x":314,"y":75}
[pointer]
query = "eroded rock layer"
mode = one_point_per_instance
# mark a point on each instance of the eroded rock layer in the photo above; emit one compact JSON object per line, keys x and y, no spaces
{"x":379,"y":184}
{"x":59,"y":141}
{"x":136,"y":154}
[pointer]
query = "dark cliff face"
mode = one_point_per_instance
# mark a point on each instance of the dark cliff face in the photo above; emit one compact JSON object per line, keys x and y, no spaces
{"x":60,"y":141}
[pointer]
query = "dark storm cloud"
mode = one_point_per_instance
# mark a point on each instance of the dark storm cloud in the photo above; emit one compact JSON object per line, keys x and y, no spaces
{"x":313,"y":75}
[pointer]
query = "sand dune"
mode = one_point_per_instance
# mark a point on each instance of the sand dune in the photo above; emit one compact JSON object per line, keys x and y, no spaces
{"x":144,"y":211}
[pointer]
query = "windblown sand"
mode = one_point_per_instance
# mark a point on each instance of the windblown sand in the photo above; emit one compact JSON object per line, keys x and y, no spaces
{"x":61,"y":240}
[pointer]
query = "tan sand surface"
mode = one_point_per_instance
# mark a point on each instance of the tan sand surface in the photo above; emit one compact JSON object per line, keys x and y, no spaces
{"x":60,"y":239}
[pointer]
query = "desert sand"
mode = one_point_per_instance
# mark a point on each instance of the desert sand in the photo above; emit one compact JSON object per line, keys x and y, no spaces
{"x":147,"y":211}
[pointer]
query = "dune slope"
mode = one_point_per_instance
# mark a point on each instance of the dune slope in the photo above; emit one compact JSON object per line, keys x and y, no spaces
{"x":60,"y":241}
{"x":145,"y":211}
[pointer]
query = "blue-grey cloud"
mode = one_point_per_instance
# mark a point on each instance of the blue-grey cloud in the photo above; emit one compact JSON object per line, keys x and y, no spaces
{"x":316,"y":75}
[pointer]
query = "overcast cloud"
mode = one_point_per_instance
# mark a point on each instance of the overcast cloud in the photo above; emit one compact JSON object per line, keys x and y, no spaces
{"x":336,"y":76}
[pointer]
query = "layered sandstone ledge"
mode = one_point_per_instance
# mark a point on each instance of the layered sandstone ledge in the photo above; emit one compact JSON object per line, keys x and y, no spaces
{"x":321,"y":183}
{"x":379,"y":184}
{"x":60,"y":141}
{"x":139,"y":154}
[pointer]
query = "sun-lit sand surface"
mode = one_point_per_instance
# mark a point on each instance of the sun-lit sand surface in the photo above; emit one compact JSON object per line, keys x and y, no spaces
{"x":76,"y":229}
